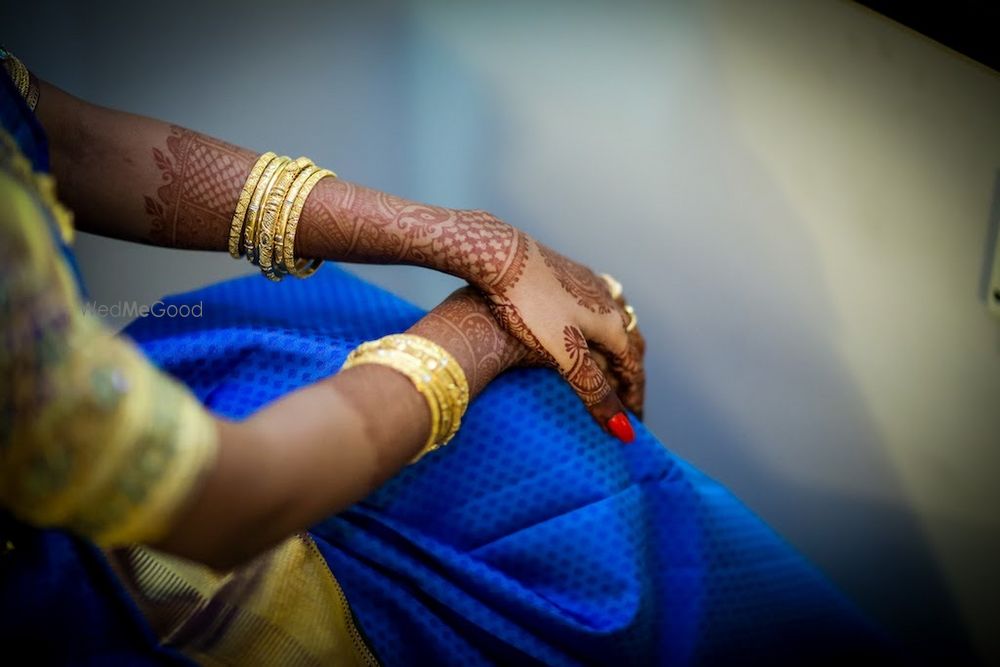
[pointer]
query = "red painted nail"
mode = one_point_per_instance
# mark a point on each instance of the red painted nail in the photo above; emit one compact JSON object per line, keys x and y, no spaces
{"x":621,"y":427}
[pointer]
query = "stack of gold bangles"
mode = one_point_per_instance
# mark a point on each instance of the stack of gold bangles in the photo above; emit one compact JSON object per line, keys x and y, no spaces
{"x":267,"y":215}
{"x":432,"y":370}
{"x":24,"y":81}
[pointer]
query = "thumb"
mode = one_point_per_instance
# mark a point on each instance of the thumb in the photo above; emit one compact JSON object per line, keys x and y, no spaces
{"x":583,"y":374}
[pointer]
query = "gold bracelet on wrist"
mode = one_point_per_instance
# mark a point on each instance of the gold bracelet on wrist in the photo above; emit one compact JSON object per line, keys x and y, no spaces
{"x":256,"y":203}
{"x":434,"y":373}
{"x":301,"y":268}
{"x":17,"y":72}
{"x":239,"y":217}
{"x":267,"y":215}
{"x":33,"y":91}
{"x":280,"y":268}
{"x":273,"y":204}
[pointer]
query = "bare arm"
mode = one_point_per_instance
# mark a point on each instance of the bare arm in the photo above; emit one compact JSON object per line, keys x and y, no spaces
{"x":137,"y":178}
{"x":327,"y":446}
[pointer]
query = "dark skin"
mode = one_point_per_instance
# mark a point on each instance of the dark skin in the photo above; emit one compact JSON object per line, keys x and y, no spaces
{"x":324,"y":448}
{"x":186,"y":186}
{"x":529,"y":305}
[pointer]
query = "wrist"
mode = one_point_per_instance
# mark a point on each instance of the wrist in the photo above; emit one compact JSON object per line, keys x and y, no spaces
{"x":464,"y":326}
{"x":492,"y":252}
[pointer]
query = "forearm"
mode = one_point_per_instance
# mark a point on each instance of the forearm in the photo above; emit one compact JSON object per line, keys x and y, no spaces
{"x":327,"y":446}
{"x":135,"y":178}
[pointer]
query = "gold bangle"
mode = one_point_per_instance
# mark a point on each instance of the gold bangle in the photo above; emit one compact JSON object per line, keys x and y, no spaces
{"x":18,"y":73}
{"x":236,"y":228}
{"x":372,"y":353}
{"x":302,"y":268}
{"x":432,"y":370}
{"x":274,"y":200}
{"x":33,"y":92}
{"x":281,"y":268}
{"x":253,"y":211}
{"x":452,"y":382}
{"x":267,"y":215}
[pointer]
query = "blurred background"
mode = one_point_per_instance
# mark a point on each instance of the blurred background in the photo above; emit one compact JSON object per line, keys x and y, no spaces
{"x":800,"y":198}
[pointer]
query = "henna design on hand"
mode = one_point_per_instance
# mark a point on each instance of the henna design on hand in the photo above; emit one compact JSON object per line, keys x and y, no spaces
{"x":627,"y":373}
{"x":510,"y":319}
{"x":589,"y":290}
{"x":464,"y":325}
{"x":584,"y":375}
{"x":202,"y":178}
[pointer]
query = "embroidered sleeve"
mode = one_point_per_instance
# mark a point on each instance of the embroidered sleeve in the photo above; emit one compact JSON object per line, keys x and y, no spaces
{"x":93,"y":438}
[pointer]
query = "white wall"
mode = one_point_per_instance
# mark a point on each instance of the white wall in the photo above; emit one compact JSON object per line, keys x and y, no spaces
{"x":798,"y":197}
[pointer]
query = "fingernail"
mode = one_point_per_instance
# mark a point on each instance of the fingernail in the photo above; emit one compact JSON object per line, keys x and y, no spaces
{"x":621,"y":427}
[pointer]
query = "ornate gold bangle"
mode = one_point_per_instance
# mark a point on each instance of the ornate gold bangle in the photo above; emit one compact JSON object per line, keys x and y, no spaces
{"x":253,"y":211}
{"x":18,"y":73}
{"x":452,"y":383}
{"x":239,"y":216}
{"x":434,"y":373}
{"x":371,"y":353}
{"x":274,"y":201}
{"x":33,"y":91}
{"x":281,"y":268}
{"x":268,"y":211}
{"x":302,"y":268}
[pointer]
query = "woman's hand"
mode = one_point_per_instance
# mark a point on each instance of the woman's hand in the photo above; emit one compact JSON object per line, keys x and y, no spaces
{"x":185,"y":187}
{"x":568,"y":319}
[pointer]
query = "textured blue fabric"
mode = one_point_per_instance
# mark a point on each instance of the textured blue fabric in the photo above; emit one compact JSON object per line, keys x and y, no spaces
{"x":533,"y":537}
{"x":60,"y":604}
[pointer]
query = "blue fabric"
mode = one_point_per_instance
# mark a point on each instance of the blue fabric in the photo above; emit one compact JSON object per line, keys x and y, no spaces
{"x":533,"y":537}
{"x":61,"y":605}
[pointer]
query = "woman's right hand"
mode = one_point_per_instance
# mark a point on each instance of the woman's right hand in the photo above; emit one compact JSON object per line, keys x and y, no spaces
{"x":568,"y":319}
{"x":558,"y":309}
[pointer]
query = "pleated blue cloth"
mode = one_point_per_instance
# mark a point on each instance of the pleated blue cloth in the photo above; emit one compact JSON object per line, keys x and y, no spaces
{"x":533,"y":537}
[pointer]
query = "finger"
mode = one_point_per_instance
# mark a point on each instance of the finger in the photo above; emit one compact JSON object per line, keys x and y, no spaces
{"x":591,"y":385}
{"x":623,"y":359}
{"x":629,"y":375}
{"x":632,"y":370}
{"x":639,"y":341}
{"x":636,"y":397}
{"x":605,"y":366}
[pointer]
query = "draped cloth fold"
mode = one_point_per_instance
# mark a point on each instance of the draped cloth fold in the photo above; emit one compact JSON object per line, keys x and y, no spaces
{"x":534,"y":537}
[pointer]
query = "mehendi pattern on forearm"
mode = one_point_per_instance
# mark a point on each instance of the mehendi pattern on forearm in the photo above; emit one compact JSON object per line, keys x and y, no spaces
{"x":202,"y":179}
{"x":349,"y":222}
{"x":464,"y":325}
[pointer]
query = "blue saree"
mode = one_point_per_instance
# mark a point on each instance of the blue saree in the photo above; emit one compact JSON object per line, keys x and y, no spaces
{"x":536,"y":540}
